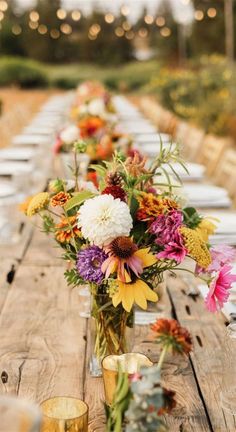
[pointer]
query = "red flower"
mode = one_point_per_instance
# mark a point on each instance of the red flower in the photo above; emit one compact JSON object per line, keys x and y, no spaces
{"x":115,"y":191}
{"x":170,"y":334}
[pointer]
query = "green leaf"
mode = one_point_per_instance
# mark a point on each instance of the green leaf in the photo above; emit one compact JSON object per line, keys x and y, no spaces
{"x":134,"y":205}
{"x":78,"y":199}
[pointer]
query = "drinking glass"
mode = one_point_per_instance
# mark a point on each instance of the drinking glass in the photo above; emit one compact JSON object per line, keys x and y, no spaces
{"x":228,"y":392}
{"x":64,"y":414}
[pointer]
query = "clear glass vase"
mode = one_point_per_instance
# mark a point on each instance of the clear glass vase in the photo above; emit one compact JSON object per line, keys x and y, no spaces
{"x":112,"y":331}
{"x":228,"y":392}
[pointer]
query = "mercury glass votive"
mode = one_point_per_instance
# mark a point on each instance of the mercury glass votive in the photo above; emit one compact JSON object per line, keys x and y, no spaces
{"x":129,"y":363}
{"x":64,"y":414}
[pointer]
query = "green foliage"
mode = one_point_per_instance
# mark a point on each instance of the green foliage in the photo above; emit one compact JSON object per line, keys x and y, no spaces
{"x":48,"y":223}
{"x":25,"y":73}
{"x":191,"y":217}
{"x":78,"y":199}
{"x":115,"y":413}
{"x":203,"y":94}
{"x":73,"y":278}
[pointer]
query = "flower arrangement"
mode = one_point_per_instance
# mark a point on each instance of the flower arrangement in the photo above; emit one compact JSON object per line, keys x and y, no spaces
{"x":94,"y":121}
{"x":124,"y":235}
{"x":139,"y":400}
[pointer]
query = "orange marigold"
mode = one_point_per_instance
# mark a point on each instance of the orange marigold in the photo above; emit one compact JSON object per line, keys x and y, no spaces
{"x":67,"y":229}
{"x":60,"y":199}
{"x":150,"y":206}
{"x":170,"y":334}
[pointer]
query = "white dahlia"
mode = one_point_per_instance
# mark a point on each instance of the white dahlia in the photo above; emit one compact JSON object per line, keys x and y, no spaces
{"x":70,"y":134}
{"x":103,"y":218}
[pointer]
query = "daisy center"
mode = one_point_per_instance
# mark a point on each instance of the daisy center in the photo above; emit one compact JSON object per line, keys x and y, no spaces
{"x":123,"y":247}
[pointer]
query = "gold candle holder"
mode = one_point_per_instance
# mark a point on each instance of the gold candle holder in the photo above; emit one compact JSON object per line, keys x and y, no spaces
{"x":64,"y":414}
{"x":129,"y":363}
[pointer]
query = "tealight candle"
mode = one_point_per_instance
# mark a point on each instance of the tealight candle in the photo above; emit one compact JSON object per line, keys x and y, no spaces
{"x":62,"y":414}
{"x":129,"y":363}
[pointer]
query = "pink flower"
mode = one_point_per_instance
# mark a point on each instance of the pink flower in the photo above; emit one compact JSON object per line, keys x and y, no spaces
{"x":220,"y":256}
{"x":165,"y":226}
{"x":57,"y":145}
{"x":219,"y":289}
{"x":175,"y":250}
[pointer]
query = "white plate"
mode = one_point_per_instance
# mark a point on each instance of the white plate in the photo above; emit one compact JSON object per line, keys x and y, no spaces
{"x":195,"y":171}
{"x":11,"y":168}
{"x":153,"y":138}
{"x":204,"y":193}
{"x":6,"y":190}
{"x":227,"y":222}
{"x":17,"y":154}
{"x":30,"y":140}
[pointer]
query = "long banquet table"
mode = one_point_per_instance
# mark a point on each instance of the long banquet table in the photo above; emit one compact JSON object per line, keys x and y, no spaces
{"x":44,"y":347}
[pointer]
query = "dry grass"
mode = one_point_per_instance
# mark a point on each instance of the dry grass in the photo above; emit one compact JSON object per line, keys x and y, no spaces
{"x":19,"y":106}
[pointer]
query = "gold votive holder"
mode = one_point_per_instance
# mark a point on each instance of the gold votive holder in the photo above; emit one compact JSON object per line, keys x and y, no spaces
{"x":129,"y":363}
{"x":64,"y":414}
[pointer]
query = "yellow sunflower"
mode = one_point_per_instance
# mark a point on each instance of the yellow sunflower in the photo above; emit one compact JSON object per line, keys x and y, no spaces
{"x":134,"y":292}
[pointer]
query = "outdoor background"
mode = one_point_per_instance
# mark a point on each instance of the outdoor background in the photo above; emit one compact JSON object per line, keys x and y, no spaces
{"x":181,"y":52}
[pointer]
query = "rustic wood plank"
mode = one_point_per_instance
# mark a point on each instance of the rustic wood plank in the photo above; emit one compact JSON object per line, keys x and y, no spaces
{"x":42,"y":337}
{"x":208,"y":333}
{"x":43,"y":251}
{"x":17,"y":250}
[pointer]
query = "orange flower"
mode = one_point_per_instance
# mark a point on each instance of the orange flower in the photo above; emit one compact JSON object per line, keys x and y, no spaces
{"x":67,"y":229}
{"x":171,"y":335}
{"x":60,"y":199}
{"x":90,"y":125}
{"x":135,"y":164}
{"x":23,"y":207}
{"x":151,"y":206}
{"x":104,"y":148}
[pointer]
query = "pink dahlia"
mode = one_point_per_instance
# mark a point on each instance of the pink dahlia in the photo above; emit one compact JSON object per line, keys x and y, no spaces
{"x":175,"y":250}
{"x":219,"y":289}
{"x":165,"y":226}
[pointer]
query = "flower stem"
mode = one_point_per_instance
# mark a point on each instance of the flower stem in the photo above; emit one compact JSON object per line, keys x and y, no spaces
{"x":162,"y":356}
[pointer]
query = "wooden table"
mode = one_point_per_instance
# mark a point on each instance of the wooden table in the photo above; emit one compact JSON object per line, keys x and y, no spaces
{"x":44,"y":350}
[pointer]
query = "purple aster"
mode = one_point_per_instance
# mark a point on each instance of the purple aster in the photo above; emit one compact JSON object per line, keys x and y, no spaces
{"x":89,"y":262}
{"x":165,"y":227}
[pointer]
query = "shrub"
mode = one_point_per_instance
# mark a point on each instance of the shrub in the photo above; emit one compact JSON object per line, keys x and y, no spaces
{"x":22,"y":72}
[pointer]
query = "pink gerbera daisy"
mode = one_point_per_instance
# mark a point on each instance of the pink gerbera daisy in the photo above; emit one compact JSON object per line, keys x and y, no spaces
{"x":174,"y":250}
{"x":219,"y":289}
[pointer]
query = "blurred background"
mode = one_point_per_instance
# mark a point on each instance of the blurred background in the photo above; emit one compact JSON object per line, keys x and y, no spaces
{"x":179,"y":52}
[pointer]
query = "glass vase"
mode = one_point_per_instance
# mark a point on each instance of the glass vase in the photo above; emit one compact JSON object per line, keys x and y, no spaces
{"x":228,"y":392}
{"x":112,"y":331}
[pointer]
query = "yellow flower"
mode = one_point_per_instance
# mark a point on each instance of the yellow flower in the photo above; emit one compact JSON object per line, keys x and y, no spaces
{"x":196,"y":246}
{"x":205,"y":229}
{"x":37,"y":203}
{"x":23,"y":207}
{"x":135,"y":292}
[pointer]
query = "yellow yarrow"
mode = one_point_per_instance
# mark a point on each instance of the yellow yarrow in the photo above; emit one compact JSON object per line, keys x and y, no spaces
{"x":37,"y":203}
{"x":205,"y":229}
{"x":196,"y":247}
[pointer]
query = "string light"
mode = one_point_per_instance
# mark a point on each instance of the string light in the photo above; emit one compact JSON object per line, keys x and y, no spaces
{"x":109,"y":18}
{"x":94,"y":29}
{"x":143,"y":32}
{"x":185,"y":2}
{"x":34,"y":16}
{"x":125,"y":10}
{"x":165,"y":31}
{"x":61,"y":14}
{"x":16,"y":29}
{"x":92,"y":37}
{"x":199,"y":15}
{"x":119,"y":31}
{"x":212,"y":12}
{"x":76,"y":15}
{"x":1,"y":15}
{"x":126,"y":26}
{"x":160,"y":21}
{"x":33,"y":25}
{"x":55,"y":34}
{"x":3,"y":6}
{"x":66,"y":28}
{"x":149,"y":19}
{"x":42,"y":29}
{"x":129,"y":35}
